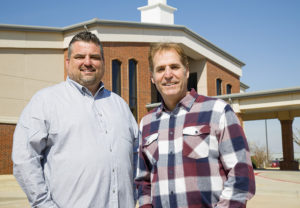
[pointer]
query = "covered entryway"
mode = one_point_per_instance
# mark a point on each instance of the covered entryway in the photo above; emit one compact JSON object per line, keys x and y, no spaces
{"x":282,"y":104}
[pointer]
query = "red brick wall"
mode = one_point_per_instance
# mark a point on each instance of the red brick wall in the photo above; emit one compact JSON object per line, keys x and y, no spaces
{"x":123,"y":52}
{"x":214,"y":72}
{"x":6,"y":138}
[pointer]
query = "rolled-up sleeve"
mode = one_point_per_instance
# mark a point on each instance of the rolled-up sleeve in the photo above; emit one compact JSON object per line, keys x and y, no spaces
{"x":29,"y":142}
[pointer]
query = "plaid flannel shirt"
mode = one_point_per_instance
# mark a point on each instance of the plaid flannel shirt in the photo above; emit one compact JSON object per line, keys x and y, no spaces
{"x":195,"y":156}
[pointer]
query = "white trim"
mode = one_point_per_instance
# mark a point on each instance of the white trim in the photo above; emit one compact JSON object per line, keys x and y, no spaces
{"x":8,"y":120}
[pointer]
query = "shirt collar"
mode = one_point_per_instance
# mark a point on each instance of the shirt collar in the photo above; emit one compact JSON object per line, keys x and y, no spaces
{"x":186,"y":102}
{"x":83,"y":90}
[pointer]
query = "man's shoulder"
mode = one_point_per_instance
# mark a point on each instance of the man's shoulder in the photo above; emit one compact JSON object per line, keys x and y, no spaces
{"x":152,"y":112}
{"x":210,"y":103}
{"x":150,"y":117}
{"x":42,"y":100}
{"x":48,"y":91}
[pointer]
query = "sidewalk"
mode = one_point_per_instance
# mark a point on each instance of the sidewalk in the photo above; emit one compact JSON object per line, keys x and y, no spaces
{"x":11,"y":195}
{"x":274,"y":189}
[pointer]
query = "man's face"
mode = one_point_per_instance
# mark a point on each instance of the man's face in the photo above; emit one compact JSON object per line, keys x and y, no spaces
{"x":85,"y":65}
{"x":170,"y":76}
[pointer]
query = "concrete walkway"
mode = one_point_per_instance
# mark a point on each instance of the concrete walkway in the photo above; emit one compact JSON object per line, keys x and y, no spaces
{"x":274,"y":189}
{"x":11,"y":195}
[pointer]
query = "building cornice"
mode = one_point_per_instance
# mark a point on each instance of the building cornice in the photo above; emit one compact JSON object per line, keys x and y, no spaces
{"x":243,"y":85}
{"x":112,"y":23}
{"x":262,"y":93}
{"x":27,"y":28}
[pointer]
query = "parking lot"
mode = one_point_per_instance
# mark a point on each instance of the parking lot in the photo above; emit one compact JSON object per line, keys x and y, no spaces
{"x":274,"y":189}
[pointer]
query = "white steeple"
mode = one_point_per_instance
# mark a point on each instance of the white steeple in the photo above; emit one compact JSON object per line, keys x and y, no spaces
{"x":157,"y":11}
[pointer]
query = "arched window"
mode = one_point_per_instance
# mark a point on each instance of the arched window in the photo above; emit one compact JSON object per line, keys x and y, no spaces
{"x":219,"y":86}
{"x":133,"y":86}
{"x":228,"y":89}
{"x":116,"y":77}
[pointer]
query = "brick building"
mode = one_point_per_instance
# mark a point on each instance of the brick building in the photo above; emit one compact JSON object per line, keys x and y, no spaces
{"x":34,"y":57}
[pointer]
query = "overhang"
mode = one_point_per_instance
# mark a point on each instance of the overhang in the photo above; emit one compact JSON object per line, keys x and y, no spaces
{"x":283,"y":104}
{"x":194,"y":45}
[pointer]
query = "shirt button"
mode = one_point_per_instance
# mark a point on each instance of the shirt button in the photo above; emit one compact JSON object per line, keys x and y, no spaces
{"x":113,"y":170}
{"x":106,"y":132}
{"x":171,"y":132}
{"x":113,"y":191}
{"x":172,"y":192}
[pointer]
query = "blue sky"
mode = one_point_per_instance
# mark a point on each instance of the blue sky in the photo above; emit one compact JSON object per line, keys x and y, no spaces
{"x":264,"y":34}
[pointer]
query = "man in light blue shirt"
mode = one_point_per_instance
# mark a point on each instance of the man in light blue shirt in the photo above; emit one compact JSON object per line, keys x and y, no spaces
{"x":73,"y":144}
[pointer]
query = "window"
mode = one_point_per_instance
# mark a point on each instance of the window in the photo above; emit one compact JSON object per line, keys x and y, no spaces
{"x":133,"y":87}
{"x":192,"y":82}
{"x":116,"y":77}
{"x":228,"y":89}
{"x":155,"y":95}
{"x":219,"y":87}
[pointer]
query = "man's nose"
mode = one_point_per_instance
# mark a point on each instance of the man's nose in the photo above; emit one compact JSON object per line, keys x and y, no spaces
{"x":87,"y":61}
{"x":168,"y":72}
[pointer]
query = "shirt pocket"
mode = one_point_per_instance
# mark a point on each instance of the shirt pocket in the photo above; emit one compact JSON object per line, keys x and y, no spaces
{"x":196,"y":141}
{"x":150,"y":146}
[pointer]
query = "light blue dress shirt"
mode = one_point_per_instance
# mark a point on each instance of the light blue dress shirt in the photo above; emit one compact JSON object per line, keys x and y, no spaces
{"x":75,"y":150}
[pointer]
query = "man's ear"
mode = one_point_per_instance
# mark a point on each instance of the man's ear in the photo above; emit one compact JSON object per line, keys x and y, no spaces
{"x":187,"y":71}
{"x":152,"y":79}
{"x":67,"y":62}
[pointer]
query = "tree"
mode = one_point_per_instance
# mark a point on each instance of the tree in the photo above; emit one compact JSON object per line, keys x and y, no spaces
{"x":259,"y":155}
{"x":296,"y":136}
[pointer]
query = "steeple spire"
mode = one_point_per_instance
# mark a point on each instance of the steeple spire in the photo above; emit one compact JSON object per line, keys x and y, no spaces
{"x":157,"y":11}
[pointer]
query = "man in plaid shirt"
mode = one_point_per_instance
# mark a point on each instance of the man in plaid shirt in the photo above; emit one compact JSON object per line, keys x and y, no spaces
{"x":193,"y":151}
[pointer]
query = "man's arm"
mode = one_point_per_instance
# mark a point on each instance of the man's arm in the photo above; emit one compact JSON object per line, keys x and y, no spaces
{"x":29,"y":142}
{"x":142,"y":179}
{"x":235,"y":157}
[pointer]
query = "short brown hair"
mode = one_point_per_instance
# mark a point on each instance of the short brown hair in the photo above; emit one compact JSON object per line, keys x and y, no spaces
{"x":154,"y":48}
{"x":86,"y":37}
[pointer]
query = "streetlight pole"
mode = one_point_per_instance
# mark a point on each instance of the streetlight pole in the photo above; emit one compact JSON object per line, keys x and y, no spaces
{"x":266,"y":130}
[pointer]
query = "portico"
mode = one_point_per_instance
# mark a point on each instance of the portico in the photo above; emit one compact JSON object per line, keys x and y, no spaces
{"x":281,"y":104}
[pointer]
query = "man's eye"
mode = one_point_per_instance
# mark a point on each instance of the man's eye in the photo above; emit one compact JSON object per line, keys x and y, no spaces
{"x":174,"y":67}
{"x":96,"y":57}
{"x":160,"y":69}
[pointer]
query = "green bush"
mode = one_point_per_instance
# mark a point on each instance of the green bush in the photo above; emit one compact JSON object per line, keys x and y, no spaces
{"x":254,"y":163}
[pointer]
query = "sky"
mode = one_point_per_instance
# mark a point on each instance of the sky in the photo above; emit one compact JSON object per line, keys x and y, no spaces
{"x":263,"y":34}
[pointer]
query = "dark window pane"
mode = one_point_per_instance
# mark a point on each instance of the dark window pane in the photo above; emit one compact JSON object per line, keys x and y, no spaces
{"x":116,"y":77}
{"x":228,"y":89}
{"x":133,"y":87}
{"x":192,"y":82}
{"x":219,"y":87}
